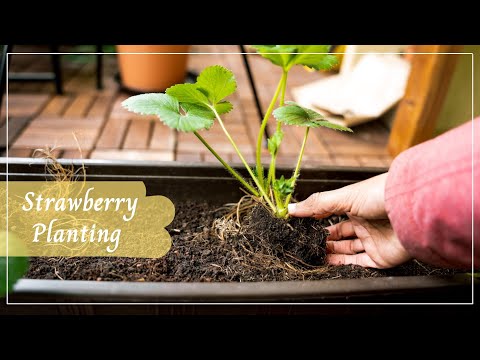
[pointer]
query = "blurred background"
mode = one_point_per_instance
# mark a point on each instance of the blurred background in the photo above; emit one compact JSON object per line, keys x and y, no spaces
{"x":70,"y":104}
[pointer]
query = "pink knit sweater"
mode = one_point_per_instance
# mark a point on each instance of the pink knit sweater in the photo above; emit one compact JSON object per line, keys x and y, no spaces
{"x":428,"y":197}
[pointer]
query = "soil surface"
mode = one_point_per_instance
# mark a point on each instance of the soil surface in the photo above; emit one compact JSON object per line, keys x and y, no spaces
{"x":206,"y":248}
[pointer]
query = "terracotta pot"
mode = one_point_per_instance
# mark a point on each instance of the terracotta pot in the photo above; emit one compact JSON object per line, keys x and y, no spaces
{"x":152,"y":72}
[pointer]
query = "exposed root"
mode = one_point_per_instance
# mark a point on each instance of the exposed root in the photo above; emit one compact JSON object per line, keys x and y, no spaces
{"x":58,"y":171}
{"x":231,"y":223}
{"x":258,"y":243}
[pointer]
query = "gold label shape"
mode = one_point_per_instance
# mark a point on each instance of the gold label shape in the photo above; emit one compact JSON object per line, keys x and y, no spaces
{"x":91,"y":218}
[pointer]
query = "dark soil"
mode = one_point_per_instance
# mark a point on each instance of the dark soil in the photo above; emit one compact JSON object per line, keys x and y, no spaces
{"x":303,"y":239}
{"x":265,"y":249}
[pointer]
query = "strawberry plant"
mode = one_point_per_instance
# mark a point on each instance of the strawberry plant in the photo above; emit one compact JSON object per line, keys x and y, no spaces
{"x":195,"y":107}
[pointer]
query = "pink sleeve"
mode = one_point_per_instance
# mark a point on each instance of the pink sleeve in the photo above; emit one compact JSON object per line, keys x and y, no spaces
{"x":428,"y":197}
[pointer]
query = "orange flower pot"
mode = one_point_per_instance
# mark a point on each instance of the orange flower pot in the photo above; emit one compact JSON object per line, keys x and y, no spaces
{"x":152,"y":72}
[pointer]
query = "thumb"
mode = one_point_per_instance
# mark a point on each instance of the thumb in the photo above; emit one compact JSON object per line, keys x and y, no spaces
{"x":321,"y":205}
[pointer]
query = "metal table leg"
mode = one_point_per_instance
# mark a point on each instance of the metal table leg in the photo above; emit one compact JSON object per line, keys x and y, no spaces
{"x":3,"y":72}
{"x":57,"y":70}
{"x":99,"y":49}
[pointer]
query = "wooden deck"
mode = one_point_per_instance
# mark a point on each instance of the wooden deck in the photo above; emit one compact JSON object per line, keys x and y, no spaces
{"x":95,"y":122}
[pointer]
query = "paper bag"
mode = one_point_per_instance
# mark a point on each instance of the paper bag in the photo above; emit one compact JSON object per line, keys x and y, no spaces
{"x":375,"y":85}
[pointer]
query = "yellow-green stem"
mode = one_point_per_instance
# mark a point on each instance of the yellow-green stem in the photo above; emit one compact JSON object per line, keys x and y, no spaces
{"x":297,"y":168}
{"x":273,"y":160}
{"x":228,"y":167}
{"x":284,"y":88}
{"x":280,"y":208}
{"x":260,"y":187}
{"x":271,"y":171}
{"x":263,"y":126}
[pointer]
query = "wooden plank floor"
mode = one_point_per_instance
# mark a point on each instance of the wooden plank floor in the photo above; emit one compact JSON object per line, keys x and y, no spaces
{"x":87,"y":123}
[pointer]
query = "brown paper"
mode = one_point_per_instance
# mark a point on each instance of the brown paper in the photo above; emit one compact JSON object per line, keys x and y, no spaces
{"x":375,"y":85}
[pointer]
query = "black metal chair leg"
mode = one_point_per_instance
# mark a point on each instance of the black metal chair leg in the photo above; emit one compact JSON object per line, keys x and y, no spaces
{"x":99,"y":67}
{"x":57,"y":69}
{"x":3,"y":71}
{"x":254,"y":90}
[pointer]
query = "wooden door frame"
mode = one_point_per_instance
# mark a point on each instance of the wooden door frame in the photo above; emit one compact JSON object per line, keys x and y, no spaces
{"x":427,"y":86}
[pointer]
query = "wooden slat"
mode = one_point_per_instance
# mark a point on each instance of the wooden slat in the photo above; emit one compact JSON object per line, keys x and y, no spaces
{"x":55,"y":153}
{"x":187,"y":142}
{"x":74,"y":154}
{"x":163,"y":138}
{"x":359,"y":149}
{"x":188,"y":157}
{"x":15,"y":127}
{"x":371,"y":161}
{"x":80,"y":105}
{"x":100,"y":106}
{"x":59,"y":123}
{"x":250,"y":158}
{"x":19,"y":152}
{"x":56,"y":106}
{"x":209,"y":158}
{"x":61,"y":139}
{"x":113,"y":133}
{"x":139,"y":132}
{"x":23,"y":105}
{"x":117,"y":109}
{"x":346,"y":160}
{"x":427,"y":86}
{"x":136,"y":155}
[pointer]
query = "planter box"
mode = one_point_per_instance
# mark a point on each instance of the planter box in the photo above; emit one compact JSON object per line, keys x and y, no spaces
{"x":180,"y":182}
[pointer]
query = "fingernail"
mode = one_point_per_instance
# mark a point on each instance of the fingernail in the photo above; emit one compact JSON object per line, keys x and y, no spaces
{"x":291,"y":208}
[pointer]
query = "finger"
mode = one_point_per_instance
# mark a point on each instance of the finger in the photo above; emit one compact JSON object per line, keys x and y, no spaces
{"x":321,"y":205}
{"x":341,"y":230}
{"x":361,"y":259}
{"x":349,"y":247}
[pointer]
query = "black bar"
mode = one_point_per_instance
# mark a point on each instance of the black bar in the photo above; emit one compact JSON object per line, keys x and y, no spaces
{"x":3,"y":86}
{"x":57,"y":70}
{"x":3,"y":72}
{"x":99,"y":67}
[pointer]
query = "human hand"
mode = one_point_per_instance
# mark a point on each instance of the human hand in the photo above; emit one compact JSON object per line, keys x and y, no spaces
{"x":365,"y":199}
{"x":370,"y":243}
{"x":367,"y":238}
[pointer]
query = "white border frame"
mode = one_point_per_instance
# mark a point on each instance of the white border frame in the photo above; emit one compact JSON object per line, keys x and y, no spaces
{"x":234,"y":303}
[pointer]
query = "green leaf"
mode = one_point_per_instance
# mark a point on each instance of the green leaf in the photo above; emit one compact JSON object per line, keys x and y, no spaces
{"x":216,"y":82}
{"x":284,"y":186}
{"x":223,"y":107}
{"x":17,"y":266}
{"x":274,"y":142}
{"x":188,"y":93}
{"x":192,"y":119}
{"x":330,"y":125}
{"x":298,"y":55}
{"x":313,"y":49}
{"x":315,"y":61}
{"x":184,"y":117}
{"x":326,"y":62}
{"x":294,"y":114}
{"x":271,"y":52}
{"x":145,"y":104}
